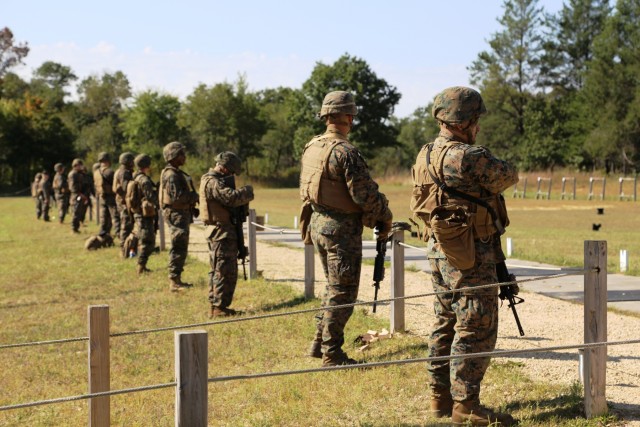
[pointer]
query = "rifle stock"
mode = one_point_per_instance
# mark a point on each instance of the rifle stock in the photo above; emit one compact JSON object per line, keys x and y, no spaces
{"x":506,"y":292}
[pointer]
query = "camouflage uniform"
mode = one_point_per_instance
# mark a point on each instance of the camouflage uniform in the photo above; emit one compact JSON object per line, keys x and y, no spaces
{"x":222,"y":202}
{"x":336,"y":234}
{"x":466,"y":321}
{"x":145,"y":225}
{"x":121,"y":178}
{"x":109,"y":215}
{"x":34,"y":193}
{"x":43,"y":197}
{"x":177,"y":199}
{"x":61,"y":191}
{"x":80,"y":193}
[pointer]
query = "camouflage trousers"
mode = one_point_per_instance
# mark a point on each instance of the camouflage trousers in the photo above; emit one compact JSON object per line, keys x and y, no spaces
{"x":126,"y":223}
{"x":223,"y":259}
{"x":178,"y":221}
{"x":62,"y":199}
{"x":338,"y":241}
{"x":79,"y":211}
{"x":109,"y":215}
{"x":42,"y":208}
{"x":466,"y":322}
{"x":145,"y":229}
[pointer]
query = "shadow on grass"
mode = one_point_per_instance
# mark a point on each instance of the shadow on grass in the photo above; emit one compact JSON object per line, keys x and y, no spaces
{"x":293,"y":302}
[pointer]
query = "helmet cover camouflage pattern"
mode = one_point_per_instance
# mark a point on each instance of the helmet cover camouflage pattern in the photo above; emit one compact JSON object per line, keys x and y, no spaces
{"x":230,"y":161}
{"x":126,"y":159}
{"x":142,"y":161}
{"x":337,"y":102}
{"x":457,"y":105}
{"x":58,"y":167}
{"x":104,"y":157}
{"x":95,"y":167}
{"x":77,"y":162}
{"x":172,"y":150}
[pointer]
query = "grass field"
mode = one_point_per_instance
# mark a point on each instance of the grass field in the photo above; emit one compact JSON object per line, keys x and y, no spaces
{"x":550,"y":231}
{"x":47,"y":280}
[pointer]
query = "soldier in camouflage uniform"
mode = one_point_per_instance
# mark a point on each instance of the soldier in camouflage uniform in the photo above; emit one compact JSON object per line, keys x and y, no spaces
{"x":43,"y":196}
{"x":223,"y":202}
{"x":336,"y":186}
{"x":121,"y":178}
{"x":103,"y":181}
{"x":80,"y":193}
{"x":61,"y":191}
{"x":177,"y":200}
{"x":34,"y":193}
{"x":145,"y":216}
{"x":466,"y":321}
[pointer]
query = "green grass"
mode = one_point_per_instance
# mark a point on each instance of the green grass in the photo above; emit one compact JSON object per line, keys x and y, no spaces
{"x":48,"y":280}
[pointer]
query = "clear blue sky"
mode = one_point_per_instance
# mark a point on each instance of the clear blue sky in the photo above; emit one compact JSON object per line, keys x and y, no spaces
{"x":420,"y":47}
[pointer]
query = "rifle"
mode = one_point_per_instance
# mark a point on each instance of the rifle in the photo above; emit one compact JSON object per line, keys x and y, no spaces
{"x":506,"y":292}
{"x":381,"y":251}
{"x":238,"y":217}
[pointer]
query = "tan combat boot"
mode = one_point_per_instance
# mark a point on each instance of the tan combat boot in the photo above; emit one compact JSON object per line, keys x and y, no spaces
{"x":441,"y":403}
{"x":176,"y":285}
{"x":221,"y":312}
{"x":471,"y":412}
{"x":315,"y":349}
{"x":142,"y":269}
{"x":337,"y":359}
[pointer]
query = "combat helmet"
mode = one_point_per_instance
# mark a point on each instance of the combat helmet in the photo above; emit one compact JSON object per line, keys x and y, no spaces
{"x":457,"y":105}
{"x":172,"y":150}
{"x":337,"y":102}
{"x":58,"y":167}
{"x":126,"y":159}
{"x":142,"y":161}
{"x":77,"y":162}
{"x":104,"y":157}
{"x":230,"y":161}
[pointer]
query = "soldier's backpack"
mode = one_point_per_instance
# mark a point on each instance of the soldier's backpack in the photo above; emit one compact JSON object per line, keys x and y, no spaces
{"x":130,"y":246}
{"x":133,"y":197}
{"x":205,"y":214}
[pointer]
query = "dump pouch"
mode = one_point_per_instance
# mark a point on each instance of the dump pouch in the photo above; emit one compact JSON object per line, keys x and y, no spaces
{"x":305,"y":220}
{"x":452,"y":228}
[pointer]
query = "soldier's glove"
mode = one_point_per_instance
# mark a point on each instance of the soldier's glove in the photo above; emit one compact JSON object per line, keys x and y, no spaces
{"x":383,"y":229}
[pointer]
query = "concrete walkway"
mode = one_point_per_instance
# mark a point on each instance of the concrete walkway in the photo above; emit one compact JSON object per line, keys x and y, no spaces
{"x":623,"y":291}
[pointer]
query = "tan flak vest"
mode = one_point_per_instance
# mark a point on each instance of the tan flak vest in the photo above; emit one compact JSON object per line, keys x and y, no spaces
{"x":215,"y":212}
{"x":315,"y":184}
{"x":426,"y":195}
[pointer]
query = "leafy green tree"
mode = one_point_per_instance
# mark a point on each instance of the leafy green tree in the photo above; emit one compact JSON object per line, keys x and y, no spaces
{"x":223,"y":117}
{"x":13,"y":87}
{"x":51,"y":82}
{"x":102,"y":99}
{"x":151,"y":123}
{"x":509,"y":73}
{"x":11,"y":53}
{"x":376,"y":101}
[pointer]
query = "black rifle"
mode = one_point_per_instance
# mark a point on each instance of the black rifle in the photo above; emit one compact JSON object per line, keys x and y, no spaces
{"x":378,"y":269}
{"x":506,"y":292}
{"x":381,"y":252}
{"x":238,"y":217}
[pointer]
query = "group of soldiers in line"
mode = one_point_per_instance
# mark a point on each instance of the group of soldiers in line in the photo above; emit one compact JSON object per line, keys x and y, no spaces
{"x":456,"y":196}
{"x":130,"y":203}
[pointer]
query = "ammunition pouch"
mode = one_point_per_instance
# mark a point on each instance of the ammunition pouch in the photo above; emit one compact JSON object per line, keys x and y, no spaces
{"x":305,"y":220}
{"x":148,"y":209}
{"x":452,"y":228}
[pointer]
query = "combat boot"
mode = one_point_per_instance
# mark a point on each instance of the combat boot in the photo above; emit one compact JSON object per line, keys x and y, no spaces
{"x":441,"y":402}
{"x":338,"y":359}
{"x":315,"y":349}
{"x":176,"y":285}
{"x":470,"y":412}
{"x":142,"y":269}
{"x":221,"y":312}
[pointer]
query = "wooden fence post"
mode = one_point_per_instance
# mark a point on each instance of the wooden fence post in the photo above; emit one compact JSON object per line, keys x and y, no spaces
{"x":309,"y":271}
{"x":397,"y":282}
{"x":97,"y":209}
{"x":161,"y":229}
{"x":99,"y":365}
{"x":191,"y":359}
{"x":251,"y":235}
{"x":595,"y":327}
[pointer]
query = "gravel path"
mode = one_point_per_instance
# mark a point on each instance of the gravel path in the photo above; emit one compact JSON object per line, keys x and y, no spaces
{"x":547,"y":322}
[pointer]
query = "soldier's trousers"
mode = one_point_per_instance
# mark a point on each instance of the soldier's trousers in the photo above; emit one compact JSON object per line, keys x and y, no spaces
{"x":146,"y":232}
{"x":178,"y":221}
{"x":466,"y":322}
{"x":42,"y":208}
{"x":223,"y":259}
{"x":126,"y":223}
{"x":62,"y":199}
{"x":79,"y":211}
{"x":340,"y":249}
{"x":109,"y":215}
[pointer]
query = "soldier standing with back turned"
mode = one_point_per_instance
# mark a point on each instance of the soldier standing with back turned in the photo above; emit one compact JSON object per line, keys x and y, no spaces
{"x":80,"y":193}
{"x":223,"y":203}
{"x":103,"y":181}
{"x":121,"y":178}
{"x":177,"y":200}
{"x":145,"y":216}
{"x":61,"y":191}
{"x":463,"y":249}
{"x":44,"y":193}
{"x":335,"y":184}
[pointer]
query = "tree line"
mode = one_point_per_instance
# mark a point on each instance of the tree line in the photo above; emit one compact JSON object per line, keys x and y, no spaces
{"x":562,"y":90}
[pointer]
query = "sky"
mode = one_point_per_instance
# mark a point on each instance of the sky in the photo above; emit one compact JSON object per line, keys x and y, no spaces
{"x":420,"y":47}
